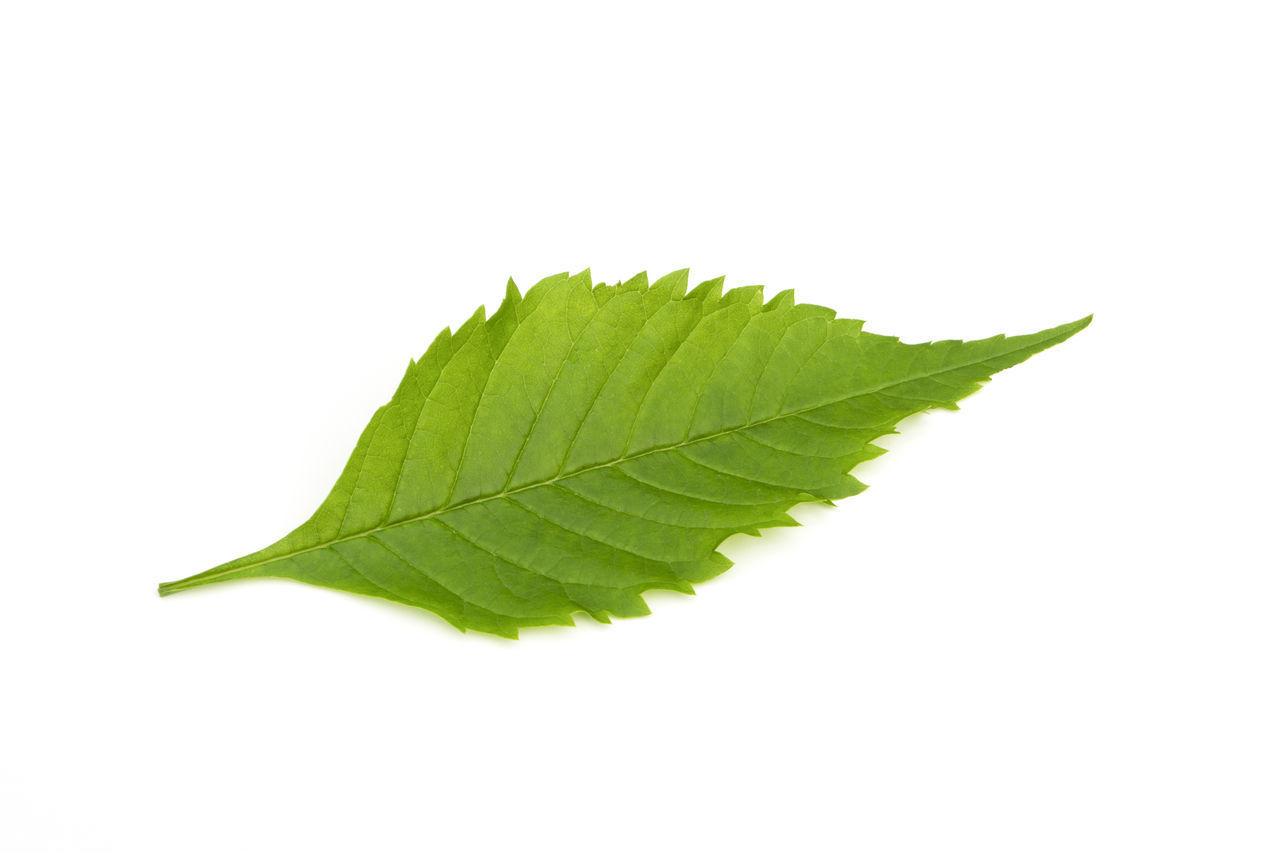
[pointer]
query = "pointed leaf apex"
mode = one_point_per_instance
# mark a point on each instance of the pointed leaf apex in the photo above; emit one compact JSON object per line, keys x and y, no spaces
{"x":474,"y":320}
{"x":709,"y":289}
{"x":639,"y":282}
{"x":677,"y":282}
{"x":781,"y":299}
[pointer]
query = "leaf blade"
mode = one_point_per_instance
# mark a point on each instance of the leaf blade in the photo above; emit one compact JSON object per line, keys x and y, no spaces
{"x":586,"y":444}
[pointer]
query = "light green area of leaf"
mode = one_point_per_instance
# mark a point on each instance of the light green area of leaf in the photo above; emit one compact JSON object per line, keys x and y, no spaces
{"x":586,"y":444}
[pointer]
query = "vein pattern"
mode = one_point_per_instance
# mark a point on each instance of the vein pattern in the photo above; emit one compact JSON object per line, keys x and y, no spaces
{"x":586,"y":444}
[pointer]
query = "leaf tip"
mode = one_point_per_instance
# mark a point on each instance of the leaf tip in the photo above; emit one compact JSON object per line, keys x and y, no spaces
{"x":708,"y":290}
{"x":1066,"y":330}
{"x":677,"y":282}
{"x":781,"y":299}
{"x":639,"y":281}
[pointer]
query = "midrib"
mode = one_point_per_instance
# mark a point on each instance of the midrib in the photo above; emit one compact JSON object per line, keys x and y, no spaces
{"x":373,"y":531}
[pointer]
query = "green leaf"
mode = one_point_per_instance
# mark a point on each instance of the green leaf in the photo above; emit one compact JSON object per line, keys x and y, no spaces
{"x":586,"y":444}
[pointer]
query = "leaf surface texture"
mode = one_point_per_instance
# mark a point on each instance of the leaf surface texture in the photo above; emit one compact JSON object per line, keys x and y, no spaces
{"x":586,"y":444}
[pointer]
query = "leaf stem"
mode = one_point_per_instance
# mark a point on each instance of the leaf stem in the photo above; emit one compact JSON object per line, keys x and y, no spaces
{"x":211,"y":576}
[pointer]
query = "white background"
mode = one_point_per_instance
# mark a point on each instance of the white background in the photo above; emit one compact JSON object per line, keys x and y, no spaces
{"x":1053,"y":623}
